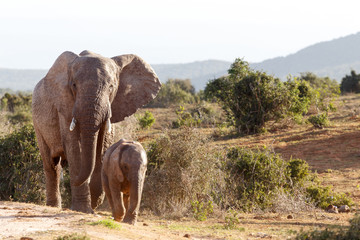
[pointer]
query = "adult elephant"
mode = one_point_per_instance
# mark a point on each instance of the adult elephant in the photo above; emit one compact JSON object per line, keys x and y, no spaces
{"x":73,"y":108}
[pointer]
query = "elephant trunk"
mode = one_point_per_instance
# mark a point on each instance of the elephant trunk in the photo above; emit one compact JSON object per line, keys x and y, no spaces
{"x":90,"y":124}
{"x":87,"y":157}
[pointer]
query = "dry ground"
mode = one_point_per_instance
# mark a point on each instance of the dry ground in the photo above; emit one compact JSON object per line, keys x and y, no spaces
{"x":20,"y":220}
{"x":333,"y":152}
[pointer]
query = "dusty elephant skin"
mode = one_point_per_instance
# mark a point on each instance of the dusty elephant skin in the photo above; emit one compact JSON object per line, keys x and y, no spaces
{"x":73,"y":108}
{"x":123,"y":174}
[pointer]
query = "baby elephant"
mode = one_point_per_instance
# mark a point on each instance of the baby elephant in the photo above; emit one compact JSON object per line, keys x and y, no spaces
{"x":123,"y":174}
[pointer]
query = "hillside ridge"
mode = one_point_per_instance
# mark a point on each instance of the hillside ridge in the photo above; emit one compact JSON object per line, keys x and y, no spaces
{"x":334,"y":58}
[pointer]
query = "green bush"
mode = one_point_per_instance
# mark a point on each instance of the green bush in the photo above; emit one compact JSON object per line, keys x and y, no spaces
{"x":231,"y":219}
{"x":181,"y":170}
{"x":299,"y":171}
{"x":350,"y":83}
{"x":174,"y":91}
{"x":325,"y":92}
{"x":253,"y":178}
{"x":320,"y":120}
{"x":324,"y":196}
{"x":21,"y":172}
{"x":252,"y":98}
{"x":147,"y":120}
{"x":185,"y":118}
{"x":300,"y":96}
{"x":201,"y":210}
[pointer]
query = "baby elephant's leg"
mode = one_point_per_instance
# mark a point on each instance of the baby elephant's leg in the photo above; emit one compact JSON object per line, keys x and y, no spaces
{"x":118,"y":209}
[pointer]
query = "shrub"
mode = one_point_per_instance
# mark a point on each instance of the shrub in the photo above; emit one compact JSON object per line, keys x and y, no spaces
{"x":180,"y":171}
{"x":252,"y":98}
{"x":350,"y":83}
{"x":299,"y":171}
{"x":253,"y":178}
{"x":201,"y":210}
{"x":324,"y":196}
{"x":185,"y":119}
{"x":21,"y":172}
{"x":259,"y":179}
{"x":147,"y":120}
{"x":325,"y":90}
{"x":300,"y":96}
{"x":320,"y":120}
{"x":231,"y":219}
{"x":174,"y":91}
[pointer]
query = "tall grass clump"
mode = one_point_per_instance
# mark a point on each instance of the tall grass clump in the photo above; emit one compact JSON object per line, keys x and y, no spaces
{"x":21,"y":172}
{"x":181,"y":170}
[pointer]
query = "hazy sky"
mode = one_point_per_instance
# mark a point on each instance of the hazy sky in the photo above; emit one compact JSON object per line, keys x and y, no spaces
{"x":34,"y":32}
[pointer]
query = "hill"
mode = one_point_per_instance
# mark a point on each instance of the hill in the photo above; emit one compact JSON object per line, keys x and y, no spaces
{"x":20,"y":79}
{"x":333,"y":58}
{"x":198,"y":72}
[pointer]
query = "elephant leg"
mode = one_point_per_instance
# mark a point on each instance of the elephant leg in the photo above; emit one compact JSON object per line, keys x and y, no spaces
{"x":117,"y":198}
{"x":105,"y":183}
{"x":52,"y":170}
{"x":80,"y":195}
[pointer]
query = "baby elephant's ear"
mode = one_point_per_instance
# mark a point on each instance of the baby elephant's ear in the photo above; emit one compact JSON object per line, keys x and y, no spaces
{"x":138,"y":85}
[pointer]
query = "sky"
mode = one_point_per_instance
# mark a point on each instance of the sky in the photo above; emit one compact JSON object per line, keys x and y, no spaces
{"x":33,"y":33}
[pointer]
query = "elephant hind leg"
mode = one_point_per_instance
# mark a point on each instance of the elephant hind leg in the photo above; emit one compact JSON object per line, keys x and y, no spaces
{"x":118,"y":208}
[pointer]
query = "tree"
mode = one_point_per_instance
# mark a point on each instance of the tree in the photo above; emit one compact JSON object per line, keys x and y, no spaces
{"x":350,"y":83}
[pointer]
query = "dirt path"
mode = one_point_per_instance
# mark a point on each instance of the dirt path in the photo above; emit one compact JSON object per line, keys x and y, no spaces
{"x":19,"y":220}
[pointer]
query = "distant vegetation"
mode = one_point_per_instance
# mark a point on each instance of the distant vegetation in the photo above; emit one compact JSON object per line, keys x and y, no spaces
{"x":17,"y":107}
{"x":175,"y":92}
{"x":350,"y":83}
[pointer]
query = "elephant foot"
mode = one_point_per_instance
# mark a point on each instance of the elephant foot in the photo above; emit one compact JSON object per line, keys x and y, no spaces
{"x":53,"y":203}
{"x":118,"y":219}
{"x":85,"y":208}
{"x":130,"y":220}
{"x":97,"y":201}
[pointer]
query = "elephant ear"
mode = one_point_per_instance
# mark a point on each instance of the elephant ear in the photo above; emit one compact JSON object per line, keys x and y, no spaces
{"x":57,"y":78}
{"x":58,"y":73}
{"x":138,"y":85}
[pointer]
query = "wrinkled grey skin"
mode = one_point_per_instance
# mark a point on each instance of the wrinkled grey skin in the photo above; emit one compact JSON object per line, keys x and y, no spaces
{"x":90,"y":89}
{"x":123,"y":174}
